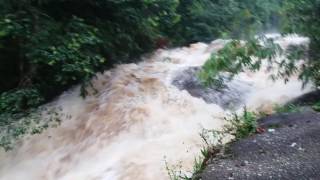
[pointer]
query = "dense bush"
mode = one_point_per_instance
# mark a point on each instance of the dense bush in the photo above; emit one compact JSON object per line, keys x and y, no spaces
{"x":204,"y":20}
{"x":19,"y":100}
{"x":48,"y":45}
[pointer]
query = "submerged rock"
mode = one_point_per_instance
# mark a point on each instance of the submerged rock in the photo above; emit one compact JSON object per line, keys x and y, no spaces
{"x":230,"y":96}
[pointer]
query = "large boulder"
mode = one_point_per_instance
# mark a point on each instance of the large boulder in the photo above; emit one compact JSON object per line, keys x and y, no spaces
{"x":230,"y":96}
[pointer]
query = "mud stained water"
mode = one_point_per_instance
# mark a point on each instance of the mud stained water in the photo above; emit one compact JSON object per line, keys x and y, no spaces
{"x":136,"y":121}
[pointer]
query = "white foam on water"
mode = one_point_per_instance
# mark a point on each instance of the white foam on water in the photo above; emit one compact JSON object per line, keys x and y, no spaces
{"x":135,"y":122}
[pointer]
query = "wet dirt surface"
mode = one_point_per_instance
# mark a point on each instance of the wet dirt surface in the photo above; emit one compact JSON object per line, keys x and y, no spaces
{"x":289,"y":149}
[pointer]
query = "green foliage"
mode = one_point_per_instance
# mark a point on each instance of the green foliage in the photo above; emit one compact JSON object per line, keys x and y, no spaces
{"x":175,"y":172}
{"x":238,"y":56}
{"x":52,"y":61}
{"x":298,"y":17}
{"x":316,"y":106}
{"x":204,"y":20}
{"x":51,"y":45}
{"x":46,"y":46}
{"x":19,"y":100}
{"x":254,"y":17}
{"x":289,"y":108}
{"x":235,"y":57}
{"x":303,"y":17}
{"x":244,"y":125}
{"x":240,"y":126}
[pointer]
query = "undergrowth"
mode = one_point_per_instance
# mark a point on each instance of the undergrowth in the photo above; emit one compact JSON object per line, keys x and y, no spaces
{"x":239,"y":126}
{"x":243,"y":125}
{"x":289,"y":108}
{"x":316,"y":106}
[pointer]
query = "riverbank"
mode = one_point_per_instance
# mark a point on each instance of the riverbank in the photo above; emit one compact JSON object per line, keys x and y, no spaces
{"x":287,"y":148}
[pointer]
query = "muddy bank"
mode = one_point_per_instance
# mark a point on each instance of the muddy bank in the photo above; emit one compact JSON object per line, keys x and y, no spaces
{"x":290,"y":149}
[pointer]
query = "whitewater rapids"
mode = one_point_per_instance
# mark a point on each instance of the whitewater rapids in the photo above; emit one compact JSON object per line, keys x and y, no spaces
{"x":137,"y":121}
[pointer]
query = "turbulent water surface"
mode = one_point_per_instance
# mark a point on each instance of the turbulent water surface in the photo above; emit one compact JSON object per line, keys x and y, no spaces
{"x":139,"y":119}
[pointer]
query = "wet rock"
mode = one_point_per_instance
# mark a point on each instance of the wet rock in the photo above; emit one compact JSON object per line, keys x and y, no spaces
{"x":230,"y":96}
{"x":309,"y":98}
{"x":292,"y":151}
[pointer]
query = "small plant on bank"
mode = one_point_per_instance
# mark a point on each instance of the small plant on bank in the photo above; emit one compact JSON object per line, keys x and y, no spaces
{"x":316,"y":107}
{"x":213,"y":146}
{"x":240,"y":126}
{"x":289,"y":108}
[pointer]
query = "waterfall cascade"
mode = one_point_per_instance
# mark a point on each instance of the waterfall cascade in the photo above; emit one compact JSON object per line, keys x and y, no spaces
{"x":139,"y":118}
